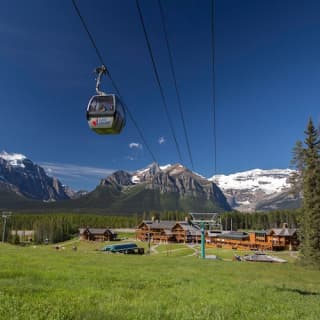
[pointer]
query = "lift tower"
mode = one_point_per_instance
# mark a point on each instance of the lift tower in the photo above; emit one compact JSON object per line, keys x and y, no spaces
{"x":207,"y":220}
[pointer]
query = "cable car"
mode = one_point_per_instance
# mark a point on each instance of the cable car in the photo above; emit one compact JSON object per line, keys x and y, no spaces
{"x":105,"y":112}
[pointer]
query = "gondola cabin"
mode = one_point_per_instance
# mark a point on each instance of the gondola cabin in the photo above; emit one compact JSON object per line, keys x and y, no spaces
{"x":105,"y":114}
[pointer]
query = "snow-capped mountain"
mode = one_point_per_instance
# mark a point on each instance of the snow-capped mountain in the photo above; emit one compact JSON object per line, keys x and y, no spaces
{"x":257,"y":189}
{"x":169,"y":187}
{"x":173,"y":187}
{"x":24,"y":178}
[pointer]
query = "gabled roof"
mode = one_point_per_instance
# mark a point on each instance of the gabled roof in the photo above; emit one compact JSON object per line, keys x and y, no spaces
{"x":164,"y":224}
{"x":284,"y":232}
{"x":95,"y":230}
{"x":168,"y":224}
{"x":189,"y":228}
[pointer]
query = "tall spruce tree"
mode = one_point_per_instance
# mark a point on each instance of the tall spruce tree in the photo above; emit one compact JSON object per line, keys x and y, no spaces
{"x":298,"y":162}
{"x":310,"y":224}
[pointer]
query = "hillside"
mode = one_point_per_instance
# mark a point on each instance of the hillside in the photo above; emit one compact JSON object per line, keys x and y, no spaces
{"x":172,"y":284}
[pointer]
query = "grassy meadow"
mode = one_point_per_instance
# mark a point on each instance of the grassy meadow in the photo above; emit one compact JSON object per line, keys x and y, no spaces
{"x":172,"y":283}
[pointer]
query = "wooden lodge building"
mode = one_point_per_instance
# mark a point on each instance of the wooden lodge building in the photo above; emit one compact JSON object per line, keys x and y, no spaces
{"x":168,"y":231}
{"x":182,"y":231}
{"x":274,"y":239}
{"x":97,"y":234}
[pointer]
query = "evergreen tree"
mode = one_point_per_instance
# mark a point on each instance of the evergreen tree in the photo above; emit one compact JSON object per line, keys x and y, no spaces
{"x":310,"y":223}
{"x":298,"y":162}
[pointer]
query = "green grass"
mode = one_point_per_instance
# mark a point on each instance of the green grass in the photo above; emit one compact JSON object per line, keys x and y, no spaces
{"x":43,"y":283}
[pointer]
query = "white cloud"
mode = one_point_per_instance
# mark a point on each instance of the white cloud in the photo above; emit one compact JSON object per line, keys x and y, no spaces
{"x":161,"y":140}
{"x":71,"y":170}
{"x":135,"y":145}
{"x":75,"y":176}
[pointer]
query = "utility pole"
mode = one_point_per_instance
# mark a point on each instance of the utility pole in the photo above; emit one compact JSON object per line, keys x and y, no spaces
{"x":5,"y":215}
{"x":203,"y":241}
{"x":149,"y":242}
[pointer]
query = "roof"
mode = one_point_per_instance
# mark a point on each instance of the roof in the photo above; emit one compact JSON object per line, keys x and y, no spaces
{"x":190,"y":229}
{"x":158,"y":224}
{"x":121,"y":246}
{"x":260,"y":232}
{"x":95,"y":230}
{"x":168,"y":225}
{"x":214,"y":233}
{"x":234,"y":235}
{"x":186,"y":226}
{"x":165,"y":224}
{"x":284,"y":232}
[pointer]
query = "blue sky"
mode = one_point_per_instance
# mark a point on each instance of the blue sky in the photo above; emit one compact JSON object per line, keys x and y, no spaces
{"x":267,"y":83}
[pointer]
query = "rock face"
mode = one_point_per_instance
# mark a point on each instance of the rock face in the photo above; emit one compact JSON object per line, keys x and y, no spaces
{"x":118,"y":179}
{"x":23,"y":177}
{"x":258,"y":190}
{"x":170,"y":179}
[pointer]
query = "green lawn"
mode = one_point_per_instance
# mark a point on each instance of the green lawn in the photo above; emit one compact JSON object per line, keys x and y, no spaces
{"x":44,"y":283}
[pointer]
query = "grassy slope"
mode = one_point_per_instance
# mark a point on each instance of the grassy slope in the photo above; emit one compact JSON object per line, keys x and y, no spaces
{"x":42,"y":283}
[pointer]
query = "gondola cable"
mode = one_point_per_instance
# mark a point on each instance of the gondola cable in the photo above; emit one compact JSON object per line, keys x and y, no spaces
{"x":163,"y":20}
{"x":107,"y":72}
{"x":164,"y":102}
{"x":213,"y":85}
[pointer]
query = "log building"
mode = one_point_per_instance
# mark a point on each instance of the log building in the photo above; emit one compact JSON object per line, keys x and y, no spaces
{"x":274,"y":239}
{"x":97,"y":234}
{"x":168,"y":231}
{"x":183,"y":232}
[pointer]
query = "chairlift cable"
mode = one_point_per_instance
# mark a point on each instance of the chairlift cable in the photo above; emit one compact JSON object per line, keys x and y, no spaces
{"x":175,"y":81}
{"x":158,"y":80}
{"x":213,"y":85}
{"x":113,"y":82}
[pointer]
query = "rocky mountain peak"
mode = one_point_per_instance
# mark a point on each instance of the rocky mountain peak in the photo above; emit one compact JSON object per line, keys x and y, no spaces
{"x":118,"y":178}
{"x":247,"y":190}
{"x":23,"y":177}
{"x":175,"y":179}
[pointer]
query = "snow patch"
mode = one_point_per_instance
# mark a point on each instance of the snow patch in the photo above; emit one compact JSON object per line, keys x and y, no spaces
{"x":14,"y":159}
{"x":163,"y":168}
{"x":268,"y":181}
{"x":135,"y":179}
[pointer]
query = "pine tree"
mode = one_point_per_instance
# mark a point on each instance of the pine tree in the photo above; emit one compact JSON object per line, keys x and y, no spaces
{"x":298,"y":161}
{"x":310,"y":224}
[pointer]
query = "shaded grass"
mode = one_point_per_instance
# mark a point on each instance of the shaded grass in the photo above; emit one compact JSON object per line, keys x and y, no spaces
{"x":42,"y":283}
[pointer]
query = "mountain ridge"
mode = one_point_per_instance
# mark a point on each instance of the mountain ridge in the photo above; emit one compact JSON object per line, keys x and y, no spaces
{"x":167,"y":187}
{"x":258,"y":189}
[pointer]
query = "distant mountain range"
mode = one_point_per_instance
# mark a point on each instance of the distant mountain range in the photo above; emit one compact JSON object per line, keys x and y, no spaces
{"x":25,"y":185}
{"x":258,"y":190}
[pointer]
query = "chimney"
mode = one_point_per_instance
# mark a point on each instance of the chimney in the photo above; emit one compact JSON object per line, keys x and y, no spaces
{"x":285,"y":225}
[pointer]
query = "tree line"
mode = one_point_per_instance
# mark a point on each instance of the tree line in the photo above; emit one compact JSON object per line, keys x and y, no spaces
{"x":61,"y":227}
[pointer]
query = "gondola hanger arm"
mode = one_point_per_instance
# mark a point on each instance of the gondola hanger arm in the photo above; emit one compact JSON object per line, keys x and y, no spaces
{"x":100,"y":71}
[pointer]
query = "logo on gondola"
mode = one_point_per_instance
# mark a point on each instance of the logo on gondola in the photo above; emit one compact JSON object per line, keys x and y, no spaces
{"x":104,"y":121}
